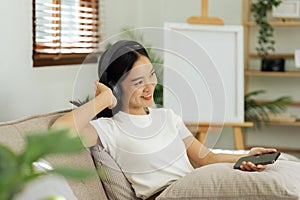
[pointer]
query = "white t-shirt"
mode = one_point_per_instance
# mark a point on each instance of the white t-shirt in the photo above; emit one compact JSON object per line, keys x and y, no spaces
{"x":148,"y":148}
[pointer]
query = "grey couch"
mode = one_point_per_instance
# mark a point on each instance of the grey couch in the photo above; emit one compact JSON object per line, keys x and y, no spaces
{"x":12,"y":135}
{"x":217,"y":181}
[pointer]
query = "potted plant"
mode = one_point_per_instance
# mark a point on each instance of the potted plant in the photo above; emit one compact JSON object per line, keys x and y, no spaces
{"x":265,"y":39}
{"x":259,"y":112}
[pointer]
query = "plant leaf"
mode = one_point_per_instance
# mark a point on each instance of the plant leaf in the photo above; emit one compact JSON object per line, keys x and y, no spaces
{"x":55,"y":141}
{"x":74,"y":173}
{"x":254,"y":93}
{"x":9,"y":173}
{"x":258,"y":112}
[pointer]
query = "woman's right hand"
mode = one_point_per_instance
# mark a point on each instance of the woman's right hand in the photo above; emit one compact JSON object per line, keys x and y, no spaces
{"x":101,"y":88}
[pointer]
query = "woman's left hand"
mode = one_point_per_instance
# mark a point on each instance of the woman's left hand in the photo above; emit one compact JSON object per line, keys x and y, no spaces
{"x":249,"y":166}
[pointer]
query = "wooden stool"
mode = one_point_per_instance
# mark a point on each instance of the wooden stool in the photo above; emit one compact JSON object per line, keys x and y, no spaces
{"x":200,"y":129}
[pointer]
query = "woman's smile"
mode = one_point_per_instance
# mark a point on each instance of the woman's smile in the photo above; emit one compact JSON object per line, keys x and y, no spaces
{"x":147,"y":97}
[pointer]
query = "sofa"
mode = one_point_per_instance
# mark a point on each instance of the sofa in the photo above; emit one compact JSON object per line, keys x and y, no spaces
{"x":216,"y":181}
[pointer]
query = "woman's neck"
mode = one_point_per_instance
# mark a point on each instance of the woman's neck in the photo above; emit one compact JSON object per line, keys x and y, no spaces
{"x":136,"y":111}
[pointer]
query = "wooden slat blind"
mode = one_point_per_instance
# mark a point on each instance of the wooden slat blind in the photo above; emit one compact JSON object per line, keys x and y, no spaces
{"x":65,"y":31}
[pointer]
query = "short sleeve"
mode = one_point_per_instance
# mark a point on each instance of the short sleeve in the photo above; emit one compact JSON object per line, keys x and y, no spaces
{"x":183,"y":131}
{"x":104,"y":129}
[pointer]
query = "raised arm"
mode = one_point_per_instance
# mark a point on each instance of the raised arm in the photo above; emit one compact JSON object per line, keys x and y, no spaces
{"x":79,"y":118}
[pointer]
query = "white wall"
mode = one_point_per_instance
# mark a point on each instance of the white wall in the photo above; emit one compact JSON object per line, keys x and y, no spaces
{"x":143,"y":13}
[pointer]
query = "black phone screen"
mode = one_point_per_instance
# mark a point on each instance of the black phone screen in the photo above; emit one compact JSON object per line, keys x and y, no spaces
{"x":263,"y":159}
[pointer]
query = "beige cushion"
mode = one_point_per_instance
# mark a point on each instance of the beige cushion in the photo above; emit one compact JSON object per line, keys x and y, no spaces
{"x":114,"y":181}
{"x":12,"y":138}
{"x":220,"y":181}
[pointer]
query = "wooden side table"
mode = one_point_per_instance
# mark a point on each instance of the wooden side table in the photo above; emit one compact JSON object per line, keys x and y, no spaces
{"x":200,"y":129}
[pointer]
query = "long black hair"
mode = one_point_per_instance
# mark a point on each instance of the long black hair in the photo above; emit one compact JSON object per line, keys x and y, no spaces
{"x":113,"y":66}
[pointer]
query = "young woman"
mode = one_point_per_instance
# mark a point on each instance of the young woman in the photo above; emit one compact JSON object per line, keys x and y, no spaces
{"x":152,"y":146}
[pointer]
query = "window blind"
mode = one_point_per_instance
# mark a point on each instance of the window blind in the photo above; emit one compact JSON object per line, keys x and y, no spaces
{"x":65,"y":31}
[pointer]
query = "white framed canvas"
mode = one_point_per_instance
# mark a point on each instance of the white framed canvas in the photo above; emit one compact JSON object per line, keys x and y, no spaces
{"x":204,"y":72}
{"x":287,"y":9}
{"x":297,"y":58}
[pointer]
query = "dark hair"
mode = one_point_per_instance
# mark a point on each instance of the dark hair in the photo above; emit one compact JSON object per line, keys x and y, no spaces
{"x":113,"y":66}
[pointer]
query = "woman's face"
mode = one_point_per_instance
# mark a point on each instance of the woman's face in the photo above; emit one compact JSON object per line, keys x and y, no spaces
{"x":138,"y":87}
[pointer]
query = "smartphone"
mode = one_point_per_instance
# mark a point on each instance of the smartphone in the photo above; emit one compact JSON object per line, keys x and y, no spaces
{"x":263,"y":159}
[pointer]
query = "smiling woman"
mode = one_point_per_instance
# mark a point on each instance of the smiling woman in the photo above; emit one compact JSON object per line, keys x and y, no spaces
{"x":152,"y":146}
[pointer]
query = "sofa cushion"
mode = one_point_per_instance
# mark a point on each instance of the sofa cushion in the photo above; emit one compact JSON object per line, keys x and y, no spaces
{"x":11,"y":137}
{"x":114,"y":181}
{"x":280,"y":180}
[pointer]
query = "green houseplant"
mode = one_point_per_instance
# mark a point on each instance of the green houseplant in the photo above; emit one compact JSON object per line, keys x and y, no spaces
{"x":258,"y":112}
{"x":17,"y":170}
{"x":265,"y":40}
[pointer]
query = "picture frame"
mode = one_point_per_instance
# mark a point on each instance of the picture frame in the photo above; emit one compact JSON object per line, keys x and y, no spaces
{"x":208,"y":62}
{"x":297,"y":58}
{"x":287,"y":9}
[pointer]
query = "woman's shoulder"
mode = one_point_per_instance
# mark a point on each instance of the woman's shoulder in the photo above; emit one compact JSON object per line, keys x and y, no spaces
{"x":104,"y":121}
